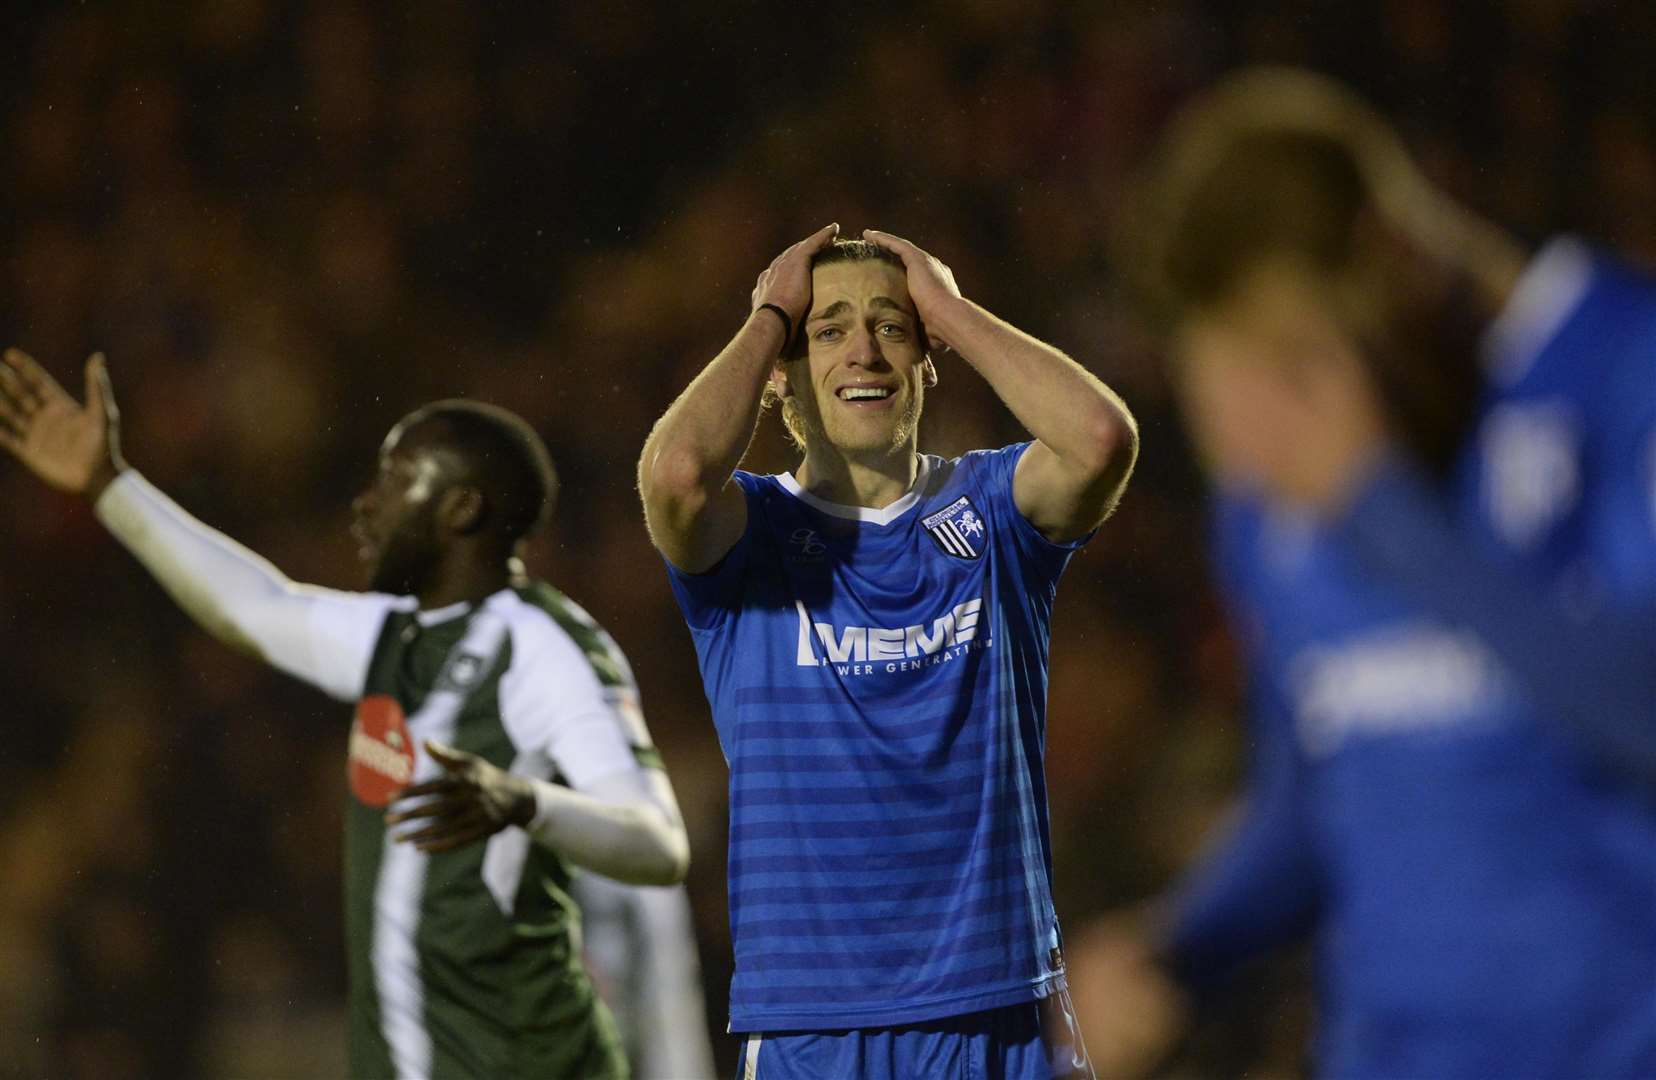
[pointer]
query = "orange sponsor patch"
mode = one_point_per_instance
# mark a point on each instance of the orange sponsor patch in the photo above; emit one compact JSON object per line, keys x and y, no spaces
{"x":381,"y":755}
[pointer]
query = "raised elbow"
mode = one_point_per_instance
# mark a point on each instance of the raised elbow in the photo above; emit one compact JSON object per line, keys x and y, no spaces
{"x":672,"y":478}
{"x":669,"y":860}
{"x":1110,"y":439}
{"x":676,"y":865}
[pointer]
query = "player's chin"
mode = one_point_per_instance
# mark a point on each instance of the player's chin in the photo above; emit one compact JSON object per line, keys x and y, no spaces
{"x":861,"y":442}
{"x":389,"y":577}
{"x":872,"y":432}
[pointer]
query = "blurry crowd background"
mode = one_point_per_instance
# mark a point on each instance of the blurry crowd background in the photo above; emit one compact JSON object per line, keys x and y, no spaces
{"x":289,"y":223}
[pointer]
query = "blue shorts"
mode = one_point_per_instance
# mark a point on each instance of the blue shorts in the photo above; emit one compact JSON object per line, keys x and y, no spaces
{"x":1038,"y":1040}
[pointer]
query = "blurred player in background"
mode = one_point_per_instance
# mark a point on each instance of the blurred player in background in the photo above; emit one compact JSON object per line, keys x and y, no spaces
{"x":1436,"y":521}
{"x":872,"y":633}
{"x":475,"y":690}
{"x":640,"y":946}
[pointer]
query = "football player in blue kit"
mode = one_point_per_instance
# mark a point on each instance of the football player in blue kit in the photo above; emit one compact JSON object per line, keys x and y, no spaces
{"x":1435,"y":457}
{"x":872,"y":634}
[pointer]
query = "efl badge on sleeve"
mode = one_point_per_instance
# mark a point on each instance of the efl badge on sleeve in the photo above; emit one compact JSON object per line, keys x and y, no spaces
{"x":958,"y":529}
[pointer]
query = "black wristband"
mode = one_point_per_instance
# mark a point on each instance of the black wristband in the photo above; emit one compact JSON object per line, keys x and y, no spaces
{"x":787,"y":323}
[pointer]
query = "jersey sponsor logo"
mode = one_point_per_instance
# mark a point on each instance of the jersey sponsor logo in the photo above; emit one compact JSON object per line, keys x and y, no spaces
{"x":1401,"y":680}
{"x":380,"y":760}
{"x":958,"y":529}
{"x":1531,"y":468}
{"x":861,"y":650}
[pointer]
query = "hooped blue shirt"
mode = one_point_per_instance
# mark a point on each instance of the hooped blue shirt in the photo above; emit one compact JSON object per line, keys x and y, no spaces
{"x":1455,"y":722}
{"x":878,"y":681}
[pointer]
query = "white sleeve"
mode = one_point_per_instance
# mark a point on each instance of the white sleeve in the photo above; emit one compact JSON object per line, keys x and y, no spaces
{"x":322,"y":636}
{"x":616,"y":815}
{"x":552,"y":703}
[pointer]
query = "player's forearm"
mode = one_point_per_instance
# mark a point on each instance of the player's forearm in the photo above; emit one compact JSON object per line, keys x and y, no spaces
{"x":1255,"y":893}
{"x":1593,"y":676}
{"x":1261,"y":886}
{"x":637,"y":842}
{"x":232,"y":593}
{"x":1066,"y":407}
{"x":701,"y":438}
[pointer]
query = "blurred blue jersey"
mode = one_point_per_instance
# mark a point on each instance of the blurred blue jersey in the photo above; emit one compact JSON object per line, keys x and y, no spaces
{"x":878,"y":681}
{"x":1455,"y":780}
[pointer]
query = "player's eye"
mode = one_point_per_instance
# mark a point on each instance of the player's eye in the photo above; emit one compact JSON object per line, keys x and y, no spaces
{"x":829,"y":333}
{"x":892,"y":329}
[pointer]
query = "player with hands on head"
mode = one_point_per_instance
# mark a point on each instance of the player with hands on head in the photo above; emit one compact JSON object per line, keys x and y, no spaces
{"x":462,"y":954}
{"x":1434,"y":455}
{"x":872,"y":633}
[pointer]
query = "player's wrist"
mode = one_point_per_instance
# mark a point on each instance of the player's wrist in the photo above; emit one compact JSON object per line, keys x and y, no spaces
{"x":521,"y":804}
{"x":951,"y":317}
{"x":103,"y":475}
{"x":771,"y":313}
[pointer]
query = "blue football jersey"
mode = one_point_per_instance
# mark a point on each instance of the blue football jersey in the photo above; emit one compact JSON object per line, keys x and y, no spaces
{"x":1445,"y":686}
{"x":878,"y":681}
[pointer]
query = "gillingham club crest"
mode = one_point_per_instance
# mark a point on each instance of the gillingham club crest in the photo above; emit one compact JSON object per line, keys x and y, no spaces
{"x":958,"y":529}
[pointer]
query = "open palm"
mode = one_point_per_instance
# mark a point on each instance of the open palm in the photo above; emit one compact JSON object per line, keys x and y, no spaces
{"x":69,"y":445}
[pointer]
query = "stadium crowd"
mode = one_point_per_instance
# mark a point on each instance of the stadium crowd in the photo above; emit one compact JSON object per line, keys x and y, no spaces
{"x":288,"y":224}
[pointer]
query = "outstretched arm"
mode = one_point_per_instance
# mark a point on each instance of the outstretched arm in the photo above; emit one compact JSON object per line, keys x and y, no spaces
{"x":318,"y":635}
{"x":694,"y":512}
{"x":1086,"y":439}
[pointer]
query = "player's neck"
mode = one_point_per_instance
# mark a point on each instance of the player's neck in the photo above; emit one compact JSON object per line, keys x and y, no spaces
{"x":464,"y":581}
{"x":873,"y":481}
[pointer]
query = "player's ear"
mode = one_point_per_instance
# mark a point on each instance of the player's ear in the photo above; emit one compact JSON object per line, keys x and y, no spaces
{"x":928,"y":373}
{"x":461,"y":509}
{"x":779,"y":381}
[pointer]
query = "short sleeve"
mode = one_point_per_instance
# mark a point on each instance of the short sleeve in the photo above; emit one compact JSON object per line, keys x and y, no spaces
{"x":996,"y":469}
{"x":708,"y":598}
{"x":560,"y":716}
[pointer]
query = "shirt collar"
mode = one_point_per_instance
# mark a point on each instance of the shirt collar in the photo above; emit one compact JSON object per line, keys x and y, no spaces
{"x":883,"y":516}
{"x":1548,"y":292}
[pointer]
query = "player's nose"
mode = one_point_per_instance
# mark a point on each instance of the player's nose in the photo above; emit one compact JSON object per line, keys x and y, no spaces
{"x":866,"y":348}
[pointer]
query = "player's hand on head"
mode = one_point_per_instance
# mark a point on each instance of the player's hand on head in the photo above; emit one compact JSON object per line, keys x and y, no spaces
{"x":931,"y":284}
{"x":786,"y":282}
{"x":472,"y":801}
{"x":71,"y":446}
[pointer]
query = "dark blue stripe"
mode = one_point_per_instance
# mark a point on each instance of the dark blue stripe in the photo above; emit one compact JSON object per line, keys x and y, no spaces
{"x":904,"y":825}
{"x":812,"y":695}
{"x":802,"y":762}
{"x":887,"y":879}
{"x":1001,"y":906}
{"x":818,"y":847}
{"x":862,"y":958}
{"x":894,"y":987}
{"x":836,"y":724}
{"x":808,"y":894}
{"x":873,"y":862}
{"x":905,"y":790}
{"x":833,"y":697}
